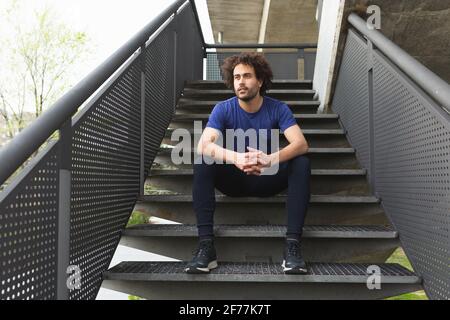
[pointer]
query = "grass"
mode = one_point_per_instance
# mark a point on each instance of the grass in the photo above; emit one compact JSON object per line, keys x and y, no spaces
{"x":137,"y":217}
{"x":399,"y":257}
{"x":152,"y":190}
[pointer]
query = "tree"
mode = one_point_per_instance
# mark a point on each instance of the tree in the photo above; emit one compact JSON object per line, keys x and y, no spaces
{"x":36,"y":62}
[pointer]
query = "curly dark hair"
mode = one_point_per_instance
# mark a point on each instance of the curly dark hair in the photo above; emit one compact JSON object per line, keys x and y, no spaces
{"x":262,"y":68}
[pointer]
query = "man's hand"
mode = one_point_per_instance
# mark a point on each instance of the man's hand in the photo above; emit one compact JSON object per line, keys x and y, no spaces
{"x":264,"y":160}
{"x":245,"y":160}
{"x":253,"y":162}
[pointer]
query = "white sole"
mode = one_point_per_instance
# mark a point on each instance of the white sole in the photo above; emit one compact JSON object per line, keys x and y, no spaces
{"x":300,"y":270}
{"x":211,"y":265}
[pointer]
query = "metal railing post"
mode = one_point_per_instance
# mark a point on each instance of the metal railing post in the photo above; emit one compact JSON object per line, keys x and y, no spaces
{"x":175,"y":66}
{"x":370,"y":66}
{"x":142,"y":137}
{"x":64,"y":195}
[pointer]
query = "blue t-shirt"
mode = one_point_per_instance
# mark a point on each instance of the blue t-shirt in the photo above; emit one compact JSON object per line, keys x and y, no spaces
{"x":273,"y":114}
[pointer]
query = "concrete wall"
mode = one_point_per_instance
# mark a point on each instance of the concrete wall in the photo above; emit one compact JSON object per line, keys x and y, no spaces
{"x":330,"y":26}
{"x":420,"y":27}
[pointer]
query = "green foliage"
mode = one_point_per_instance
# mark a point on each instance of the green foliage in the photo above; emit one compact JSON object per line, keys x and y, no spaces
{"x":137,"y":217}
{"x":37,"y":58}
{"x":400,"y":257}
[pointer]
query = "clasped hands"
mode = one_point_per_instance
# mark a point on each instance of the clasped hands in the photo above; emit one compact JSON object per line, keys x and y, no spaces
{"x":252,"y":162}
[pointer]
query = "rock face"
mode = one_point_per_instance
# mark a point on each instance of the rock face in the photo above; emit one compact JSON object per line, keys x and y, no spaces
{"x":420,"y":27}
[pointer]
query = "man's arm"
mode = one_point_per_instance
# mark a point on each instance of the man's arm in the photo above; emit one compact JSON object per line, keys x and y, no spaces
{"x":297,"y":146}
{"x":207,"y":146}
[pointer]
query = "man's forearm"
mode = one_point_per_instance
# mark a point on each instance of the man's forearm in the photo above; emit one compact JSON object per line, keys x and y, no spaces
{"x":287,"y":153}
{"x":218,"y":153}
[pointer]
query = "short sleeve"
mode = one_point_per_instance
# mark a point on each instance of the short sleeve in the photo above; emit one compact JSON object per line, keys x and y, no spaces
{"x":285,"y":118}
{"x":217,"y":118}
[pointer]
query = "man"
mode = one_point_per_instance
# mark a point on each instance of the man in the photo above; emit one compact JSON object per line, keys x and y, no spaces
{"x":250,"y":76}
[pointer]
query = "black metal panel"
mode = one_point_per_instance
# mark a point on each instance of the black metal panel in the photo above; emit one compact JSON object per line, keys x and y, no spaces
{"x":105,"y":178}
{"x":28,"y":231}
{"x":351,"y":100}
{"x":159,"y":92}
{"x":412,"y":161}
{"x":408,"y":155}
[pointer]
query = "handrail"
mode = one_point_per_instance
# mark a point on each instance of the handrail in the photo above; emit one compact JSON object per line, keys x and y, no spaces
{"x":436,"y":87}
{"x":262,"y":46}
{"x":17,"y":151}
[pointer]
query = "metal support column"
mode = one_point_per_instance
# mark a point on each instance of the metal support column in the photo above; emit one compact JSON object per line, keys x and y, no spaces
{"x":64,"y":195}
{"x":370,"y":66}
{"x":142,"y":159}
{"x":175,"y":67}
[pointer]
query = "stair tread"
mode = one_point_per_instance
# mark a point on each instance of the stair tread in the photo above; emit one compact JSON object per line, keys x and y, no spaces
{"x":274,"y":199}
{"x":263,"y":231}
{"x":210,"y":103}
{"x":314,"y":172}
{"x":310,"y":150}
{"x":258,"y":272}
{"x":224,"y":91}
{"x":304,"y":131}
{"x":296,"y":116}
{"x":188,"y":83}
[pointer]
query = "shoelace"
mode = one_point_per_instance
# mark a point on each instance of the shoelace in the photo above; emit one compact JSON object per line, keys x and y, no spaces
{"x":293,"y":248}
{"x":202,"y":249}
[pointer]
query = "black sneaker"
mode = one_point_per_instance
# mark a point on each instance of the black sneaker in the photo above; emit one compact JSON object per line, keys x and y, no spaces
{"x":293,"y":262}
{"x":205,"y":258}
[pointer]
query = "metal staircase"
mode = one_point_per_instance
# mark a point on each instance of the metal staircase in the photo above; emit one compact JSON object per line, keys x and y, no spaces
{"x":346,"y":230}
{"x":380,"y":178}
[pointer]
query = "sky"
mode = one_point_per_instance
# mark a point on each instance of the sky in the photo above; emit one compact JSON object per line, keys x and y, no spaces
{"x":109,"y":24}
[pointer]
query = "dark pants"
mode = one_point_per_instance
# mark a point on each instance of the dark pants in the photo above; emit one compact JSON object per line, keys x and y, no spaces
{"x":228,"y":179}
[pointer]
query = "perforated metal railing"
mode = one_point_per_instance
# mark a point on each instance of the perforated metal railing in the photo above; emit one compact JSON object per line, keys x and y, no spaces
{"x":402,"y":136}
{"x":71,"y":202}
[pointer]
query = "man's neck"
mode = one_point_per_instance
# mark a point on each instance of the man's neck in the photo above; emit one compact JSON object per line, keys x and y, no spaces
{"x":253,"y":105}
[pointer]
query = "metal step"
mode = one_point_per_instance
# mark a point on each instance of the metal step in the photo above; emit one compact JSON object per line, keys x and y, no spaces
{"x":321,"y":158}
{"x":322,"y":210}
{"x":167,"y":280}
{"x":274,"y":199}
{"x":316,"y":138}
{"x":323,"y":181}
{"x":305,"y":121}
{"x":265,"y":243}
{"x":276,"y":84}
{"x":223,"y":94}
{"x":195,"y":106}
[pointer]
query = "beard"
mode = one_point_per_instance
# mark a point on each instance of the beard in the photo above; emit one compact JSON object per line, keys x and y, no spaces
{"x":248,"y":96}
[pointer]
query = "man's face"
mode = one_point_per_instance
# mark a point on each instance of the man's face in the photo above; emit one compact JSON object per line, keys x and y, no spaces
{"x":246,"y":85}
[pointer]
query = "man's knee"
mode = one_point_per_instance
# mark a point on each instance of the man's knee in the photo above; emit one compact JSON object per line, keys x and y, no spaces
{"x":302,"y":163}
{"x":203,"y":166}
